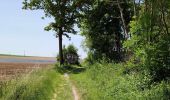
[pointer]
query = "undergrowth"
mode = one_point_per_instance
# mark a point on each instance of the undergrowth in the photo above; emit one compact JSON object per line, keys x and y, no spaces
{"x":104,"y":81}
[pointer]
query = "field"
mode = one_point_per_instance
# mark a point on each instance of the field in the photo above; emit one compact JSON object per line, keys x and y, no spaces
{"x":14,"y":66}
{"x":26,"y":59}
{"x":38,"y":84}
{"x":13,"y":70}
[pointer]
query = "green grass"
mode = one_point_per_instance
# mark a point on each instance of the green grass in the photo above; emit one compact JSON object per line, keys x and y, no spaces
{"x":37,"y":85}
{"x":117,"y":82}
{"x":100,"y":81}
{"x":75,"y":69}
{"x":63,"y":90}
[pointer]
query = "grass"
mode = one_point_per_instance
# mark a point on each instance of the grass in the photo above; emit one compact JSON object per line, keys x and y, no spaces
{"x":63,"y":90}
{"x":103,"y":81}
{"x":100,"y":81}
{"x":75,"y":69}
{"x":37,"y":85}
{"x":41,"y":84}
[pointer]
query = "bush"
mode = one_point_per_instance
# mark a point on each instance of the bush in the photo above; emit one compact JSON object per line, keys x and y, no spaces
{"x":70,"y":55}
{"x":151,"y":50}
{"x":158,"y":60}
{"x":105,"y":81}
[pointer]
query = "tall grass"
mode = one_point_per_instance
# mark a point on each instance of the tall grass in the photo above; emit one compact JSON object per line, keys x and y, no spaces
{"x":37,"y":85}
{"x":103,"y":81}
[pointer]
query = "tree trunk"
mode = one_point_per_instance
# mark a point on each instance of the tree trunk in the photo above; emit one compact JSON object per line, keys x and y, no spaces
{"x":60,"y":46}
{"x":123,"y":20}
{"x":163,"y":18}
{"x":134,"y":8}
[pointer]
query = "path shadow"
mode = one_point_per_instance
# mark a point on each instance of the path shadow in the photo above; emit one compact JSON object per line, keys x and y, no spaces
{"x":72,"y":69}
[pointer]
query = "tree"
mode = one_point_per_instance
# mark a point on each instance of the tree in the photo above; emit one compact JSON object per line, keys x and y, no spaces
{"x":70,"y":54}
{"x":151,"y":38}
{"x":64,"y":14}
{"x":102,"y":26}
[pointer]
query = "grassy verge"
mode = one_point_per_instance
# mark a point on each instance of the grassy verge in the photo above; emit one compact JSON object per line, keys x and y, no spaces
{"x":98,"y":82}
{"x":110,"y":81}
{"x":41,"y":84}
{"x":37,"y":85}
{"x":63,"y":90}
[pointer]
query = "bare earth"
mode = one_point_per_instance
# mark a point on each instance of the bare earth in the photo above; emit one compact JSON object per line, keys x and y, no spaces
{"x":13,"y":70}
{"x":12,"y":66}
{"x":74,"y":90}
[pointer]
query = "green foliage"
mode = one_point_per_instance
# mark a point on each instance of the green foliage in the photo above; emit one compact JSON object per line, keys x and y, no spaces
{"x":150,"y":39}
{"x":70,"y":55}
{"x":101,"y":25}
{"x":63,"y":12}
{"x":72,"y":49}
{"x":159,"y":59}
{"x":103,"y":81}
{"x":37,"y":85}
{"x":69,"y":69}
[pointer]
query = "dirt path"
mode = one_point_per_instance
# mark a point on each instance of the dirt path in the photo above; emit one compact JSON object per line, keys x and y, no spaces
{"x":74,"y":90}
{"x":67,"y":84}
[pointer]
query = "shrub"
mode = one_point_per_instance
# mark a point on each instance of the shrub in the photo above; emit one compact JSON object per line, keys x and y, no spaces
{"x":70,"y":55}
{"x":107,"y":81}
{"x":158,"y":59}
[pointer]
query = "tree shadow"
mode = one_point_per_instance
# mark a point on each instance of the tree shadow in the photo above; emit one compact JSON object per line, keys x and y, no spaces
{"x":71,"y":69}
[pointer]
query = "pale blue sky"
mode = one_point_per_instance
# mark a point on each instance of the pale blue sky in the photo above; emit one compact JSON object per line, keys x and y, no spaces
{"x":22,"y":30}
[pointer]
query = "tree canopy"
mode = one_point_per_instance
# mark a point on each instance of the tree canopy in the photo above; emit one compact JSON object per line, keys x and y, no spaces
{"x":64,"y":13}
{"x":102,"y":26}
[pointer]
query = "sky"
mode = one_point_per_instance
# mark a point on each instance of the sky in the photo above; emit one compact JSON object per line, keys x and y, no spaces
{"x":22,"y":32}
